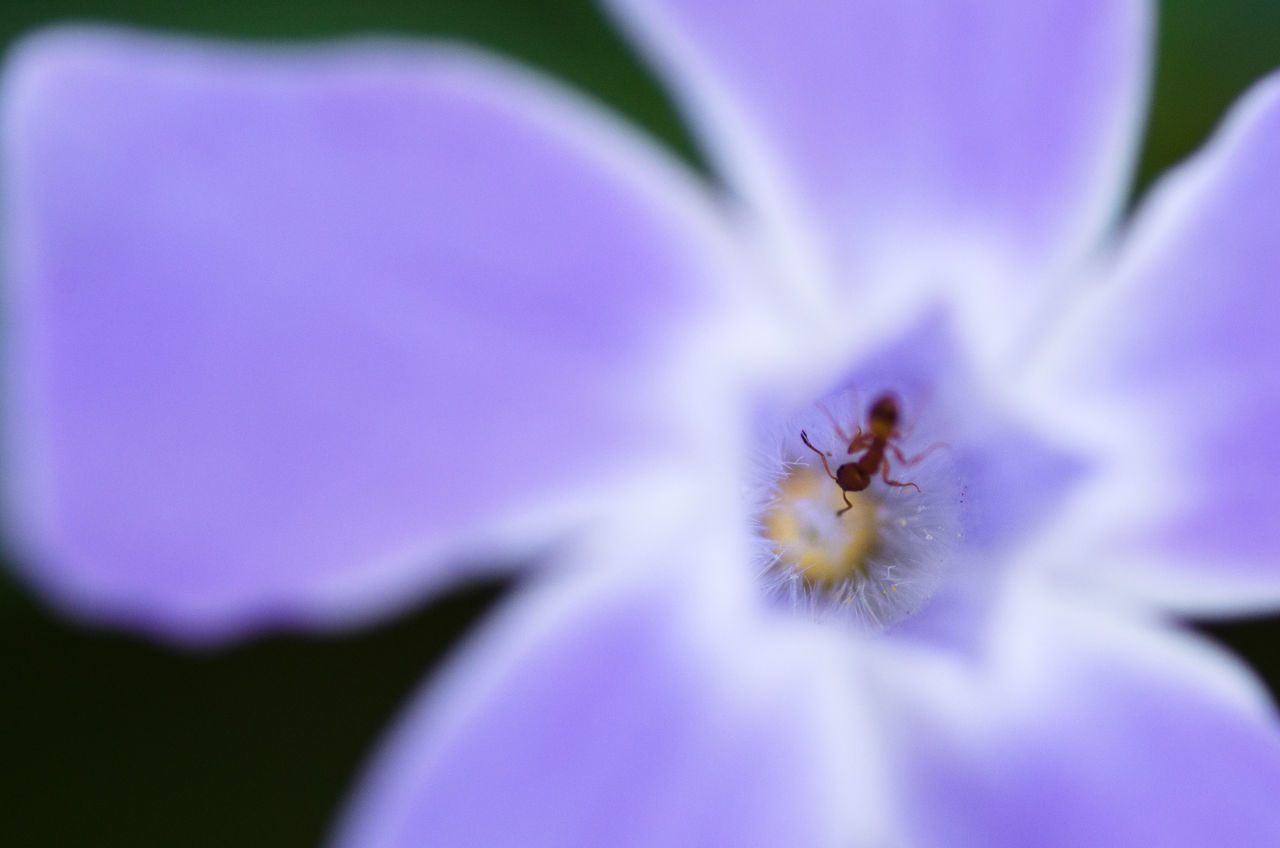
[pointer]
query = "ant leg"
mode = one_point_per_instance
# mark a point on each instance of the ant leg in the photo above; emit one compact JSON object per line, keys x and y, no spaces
{"x":848,"y":504}
{"x":884,"y":475}
{"x":913,"y":460}
{"x":861,"y":441}
{"x":804,"y":437}
{"x":834,"y":423}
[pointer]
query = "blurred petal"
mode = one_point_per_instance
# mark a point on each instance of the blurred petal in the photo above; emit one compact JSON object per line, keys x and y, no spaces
{"x":993,"y":134}
{"x":1090,"y":729}
{"x":288,"y":327}
{"x":594,"y":712}
{"x":1172,"y":368}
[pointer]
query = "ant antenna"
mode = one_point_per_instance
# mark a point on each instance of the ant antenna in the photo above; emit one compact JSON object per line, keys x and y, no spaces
{"x":844,"y":437}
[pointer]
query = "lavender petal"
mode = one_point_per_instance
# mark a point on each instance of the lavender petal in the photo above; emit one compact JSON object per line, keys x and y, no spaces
{"x":292,"y":330}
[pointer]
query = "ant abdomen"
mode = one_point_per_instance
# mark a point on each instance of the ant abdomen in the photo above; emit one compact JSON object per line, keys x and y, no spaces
{"x":852,"y":478}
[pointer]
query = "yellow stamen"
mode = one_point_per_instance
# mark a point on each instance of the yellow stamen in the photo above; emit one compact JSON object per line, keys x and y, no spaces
{"x":824,"y":549}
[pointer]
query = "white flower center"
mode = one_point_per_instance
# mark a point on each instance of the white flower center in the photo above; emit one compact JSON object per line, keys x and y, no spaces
{"x":869,"y":542}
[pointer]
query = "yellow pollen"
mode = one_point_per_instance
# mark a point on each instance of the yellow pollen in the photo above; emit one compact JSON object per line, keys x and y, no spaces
{"x":824,"y":549}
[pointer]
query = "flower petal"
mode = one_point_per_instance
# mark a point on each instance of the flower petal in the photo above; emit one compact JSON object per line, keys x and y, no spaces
{"x":1090,"y":729}
{"x":289,"y":327}
{"x":915,"y":134}
{"x":1171,"y":368}
{"x":599,"y":712}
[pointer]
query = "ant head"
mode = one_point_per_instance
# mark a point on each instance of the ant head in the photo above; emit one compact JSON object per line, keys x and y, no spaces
{"x":883,"y":416}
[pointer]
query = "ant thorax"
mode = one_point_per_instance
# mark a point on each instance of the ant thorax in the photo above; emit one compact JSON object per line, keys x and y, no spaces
{"x":870,"y":543}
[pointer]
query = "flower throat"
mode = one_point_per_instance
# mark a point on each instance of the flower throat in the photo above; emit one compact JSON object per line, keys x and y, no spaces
{"x":845,"y":541}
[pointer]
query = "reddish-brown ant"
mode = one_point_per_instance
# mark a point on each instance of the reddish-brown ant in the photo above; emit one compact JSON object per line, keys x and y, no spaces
{"x":882,"y":421}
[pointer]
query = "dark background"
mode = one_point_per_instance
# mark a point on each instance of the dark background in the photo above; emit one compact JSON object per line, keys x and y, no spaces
{"x":107,"y":739}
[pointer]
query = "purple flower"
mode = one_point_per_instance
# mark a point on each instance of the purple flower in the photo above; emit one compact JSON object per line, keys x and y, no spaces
{"x":296,"y":337}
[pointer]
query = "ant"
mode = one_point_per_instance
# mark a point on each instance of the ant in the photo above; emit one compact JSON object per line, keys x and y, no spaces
{"x":882,"y":420}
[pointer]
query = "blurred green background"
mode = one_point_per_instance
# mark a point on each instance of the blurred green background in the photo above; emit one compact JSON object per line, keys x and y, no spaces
{"x":111,"y":740}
